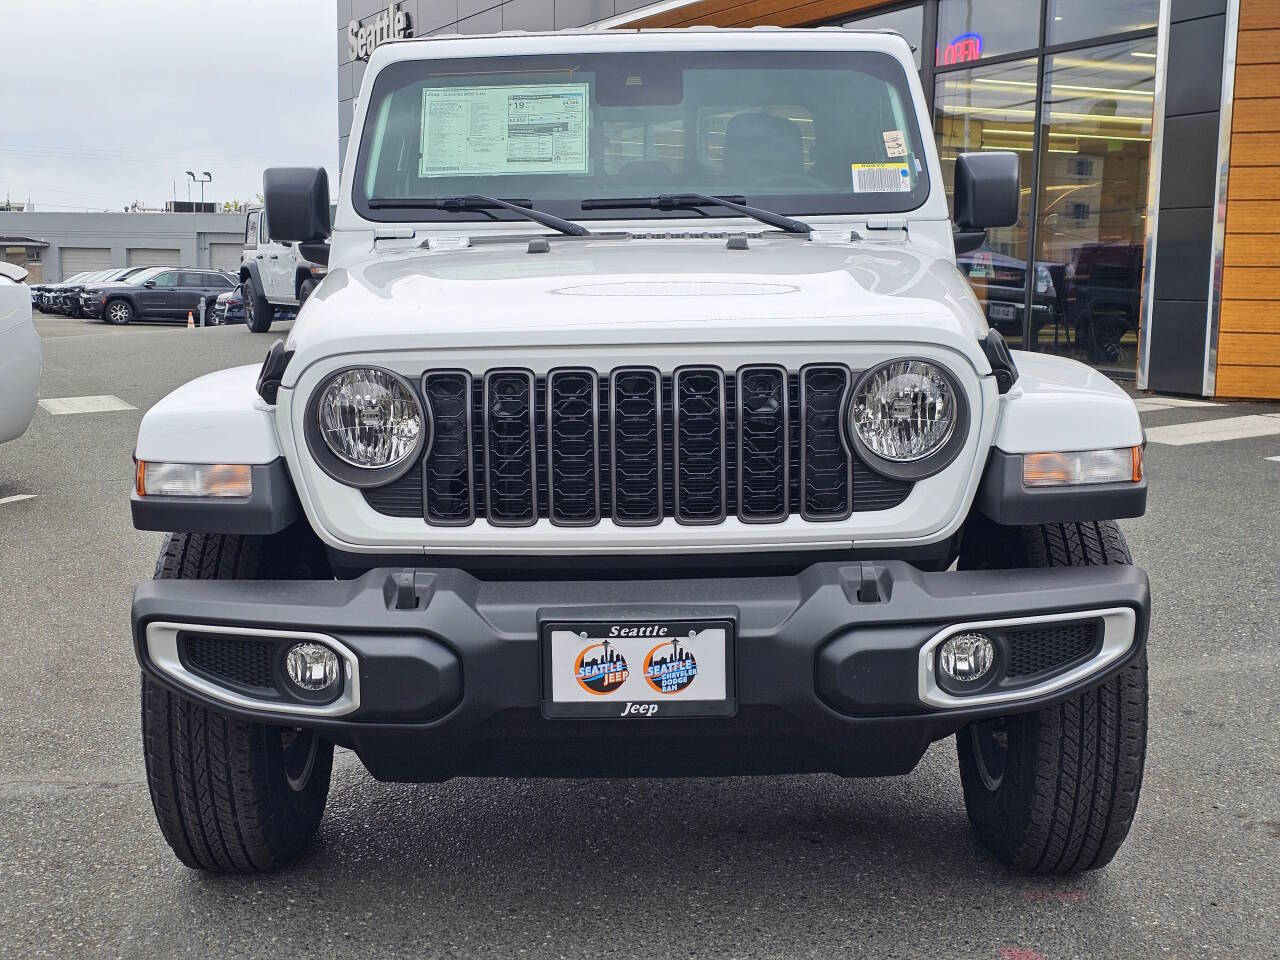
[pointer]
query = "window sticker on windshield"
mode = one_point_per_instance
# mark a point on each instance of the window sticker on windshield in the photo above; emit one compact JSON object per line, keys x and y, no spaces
{"x":881,"y":177}
{"x":491,"y":131}
{"x":894,"y":144}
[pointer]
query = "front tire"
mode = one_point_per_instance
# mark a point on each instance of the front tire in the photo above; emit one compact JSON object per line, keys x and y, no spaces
{"x":118,"y":312}
{"x":232,"y":796}
{"x":1055,"y":791}
{"x":257,"y":311}
{"x":305,"y":291}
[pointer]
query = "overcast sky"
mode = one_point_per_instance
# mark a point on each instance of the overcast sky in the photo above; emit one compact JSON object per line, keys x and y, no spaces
{"x":102,"y":103}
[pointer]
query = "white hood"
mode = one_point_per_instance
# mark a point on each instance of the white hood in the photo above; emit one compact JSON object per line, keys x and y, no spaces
{"x":638,"y":291}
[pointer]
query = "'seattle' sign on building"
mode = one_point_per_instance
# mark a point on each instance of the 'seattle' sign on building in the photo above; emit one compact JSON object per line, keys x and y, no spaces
{"x":389,"y":24}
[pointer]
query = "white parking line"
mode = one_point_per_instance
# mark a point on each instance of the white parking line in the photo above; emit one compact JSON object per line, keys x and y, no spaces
{"x":63,"y":405}
{"x":1276,"y":459}
{"x":1147,"y":404}
{"x":17,"y":498}
{"x":1210,"y":431}
{"x":1180,"y":402}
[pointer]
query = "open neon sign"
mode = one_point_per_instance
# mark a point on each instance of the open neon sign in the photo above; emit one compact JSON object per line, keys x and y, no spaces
{"x":963,"y":49}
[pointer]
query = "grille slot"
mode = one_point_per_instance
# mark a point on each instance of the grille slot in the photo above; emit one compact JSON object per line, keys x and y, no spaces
{"x":764,"y":450}
{"x":826,"y":475}
{"x":510,"y":455}
{"x":1035,"y":650}
{"x":698,"y":428}
{"x":232,"y":660}
{"x":635,"y":446}
{"x":446,"y":471}
{"x":573,"y":449}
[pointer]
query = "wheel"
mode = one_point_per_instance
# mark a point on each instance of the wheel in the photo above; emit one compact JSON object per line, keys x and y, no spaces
{"x":1055,"y":791}
{"x":118,"y":312}
{"x":232,"y":796}
{"x":257,"y":312}
{"x":304,"y":291}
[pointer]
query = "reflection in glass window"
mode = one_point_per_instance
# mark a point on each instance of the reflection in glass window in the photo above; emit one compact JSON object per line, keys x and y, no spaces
{"x":1095,"y":155}
{"x":1080,"y":19}
{"x":993,"y":108}
{"x":971,"y":30}
{"x":909,"y":22}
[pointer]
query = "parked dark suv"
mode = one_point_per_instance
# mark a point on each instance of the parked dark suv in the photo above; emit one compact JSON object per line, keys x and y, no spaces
{"x":162,"y":293}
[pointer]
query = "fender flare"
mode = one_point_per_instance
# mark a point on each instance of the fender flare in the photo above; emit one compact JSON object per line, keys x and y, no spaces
{"x":217,"y":418}
{"x":301,"y":274}
{"x":254,"y":274}
{"x":1059,"y":405}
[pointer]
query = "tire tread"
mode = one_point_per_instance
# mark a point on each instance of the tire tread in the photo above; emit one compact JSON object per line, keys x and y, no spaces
{"x":217,"y":782}
{"x":1074,"y":771}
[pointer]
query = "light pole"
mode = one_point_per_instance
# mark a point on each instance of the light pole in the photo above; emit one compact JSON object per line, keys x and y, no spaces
{"x":202,"y":180}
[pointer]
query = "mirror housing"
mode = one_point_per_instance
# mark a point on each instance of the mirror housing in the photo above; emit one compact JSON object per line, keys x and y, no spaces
{"x":987,"y":190}
{"x":150,"y":284}
{"x":297,"y":202}
{"x":315,"y":252}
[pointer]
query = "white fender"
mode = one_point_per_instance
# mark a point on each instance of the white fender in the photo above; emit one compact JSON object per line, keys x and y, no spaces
{"x":1061,"y":404}
{"x":217,"y":418}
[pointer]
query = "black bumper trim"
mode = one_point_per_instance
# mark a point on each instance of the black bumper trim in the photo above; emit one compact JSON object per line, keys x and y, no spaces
{"x":1004,"y":498}
{"x":272,"y":506}
{"x":797,"y":711}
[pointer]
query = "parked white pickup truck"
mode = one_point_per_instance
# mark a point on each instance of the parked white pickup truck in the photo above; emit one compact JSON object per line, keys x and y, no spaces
{"x":643,"y":426}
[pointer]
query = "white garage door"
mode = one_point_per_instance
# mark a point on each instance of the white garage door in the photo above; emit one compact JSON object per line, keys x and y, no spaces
{"x":225,"y":256}
{"x":79,"y":259}
{"x":154,"y":257}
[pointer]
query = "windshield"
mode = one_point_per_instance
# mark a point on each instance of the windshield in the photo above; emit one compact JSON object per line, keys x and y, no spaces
{"x":794,"y":132}
{"x":142,"y":276}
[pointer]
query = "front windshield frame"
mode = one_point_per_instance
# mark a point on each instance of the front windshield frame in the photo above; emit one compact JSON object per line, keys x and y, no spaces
{"x":879,"y":64}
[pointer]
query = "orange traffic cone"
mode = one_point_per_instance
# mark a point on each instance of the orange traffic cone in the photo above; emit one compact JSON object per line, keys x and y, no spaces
{"x":191,"y":321}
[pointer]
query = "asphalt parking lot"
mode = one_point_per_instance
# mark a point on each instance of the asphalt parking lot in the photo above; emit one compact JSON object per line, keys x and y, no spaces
{"x":808,"y":866}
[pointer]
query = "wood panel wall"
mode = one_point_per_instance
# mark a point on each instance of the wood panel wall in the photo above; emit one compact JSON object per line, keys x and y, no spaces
{"x":1249,"y":325}
{"x":754,"y":13}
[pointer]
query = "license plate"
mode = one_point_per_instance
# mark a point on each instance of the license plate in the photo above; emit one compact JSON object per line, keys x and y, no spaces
{"x":638,"y":669}
{"x":1002,"y":311}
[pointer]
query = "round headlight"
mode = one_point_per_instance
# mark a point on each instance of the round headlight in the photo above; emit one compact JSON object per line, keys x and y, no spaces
{"x":904,"y":410}
{"x":369,"y":418}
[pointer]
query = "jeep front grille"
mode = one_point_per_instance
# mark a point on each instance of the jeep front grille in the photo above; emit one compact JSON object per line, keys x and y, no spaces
{"x":634,"y":446}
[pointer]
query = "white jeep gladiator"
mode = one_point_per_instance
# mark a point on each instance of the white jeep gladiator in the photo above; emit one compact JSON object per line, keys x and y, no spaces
{"x":643,"y":426}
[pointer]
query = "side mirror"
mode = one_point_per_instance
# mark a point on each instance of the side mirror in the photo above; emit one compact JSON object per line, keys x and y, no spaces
{"x":297,"y":201}
{"x":987,"y":190}
{"x":150,"y":284}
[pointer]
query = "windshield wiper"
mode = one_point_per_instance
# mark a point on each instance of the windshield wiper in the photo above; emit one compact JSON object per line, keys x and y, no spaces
{"x":481,"y":202}
{"x":692,"y":201}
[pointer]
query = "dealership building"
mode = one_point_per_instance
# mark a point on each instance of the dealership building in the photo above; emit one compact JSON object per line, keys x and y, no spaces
{"x":1148,"y":243}
{"x":54,"y":246}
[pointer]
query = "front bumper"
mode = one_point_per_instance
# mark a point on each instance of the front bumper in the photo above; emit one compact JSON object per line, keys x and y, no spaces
{"x":832,"y":667}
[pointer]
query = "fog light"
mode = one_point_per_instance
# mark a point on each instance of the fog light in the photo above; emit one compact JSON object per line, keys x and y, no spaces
{"x":967,"y":657}
{"x":311,"y":666}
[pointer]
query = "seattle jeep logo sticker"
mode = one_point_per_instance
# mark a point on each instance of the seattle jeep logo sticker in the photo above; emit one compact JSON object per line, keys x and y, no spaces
{"x":669,"y":667}
{"x":600,"y":669}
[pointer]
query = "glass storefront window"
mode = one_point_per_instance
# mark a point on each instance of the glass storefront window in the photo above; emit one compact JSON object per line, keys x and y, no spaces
{"x":908,"y":21}
{"x":993,"y":108}
{"x":1081,"y":19}
{"x":1091,"y":220}
{"x":970,"y":30}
